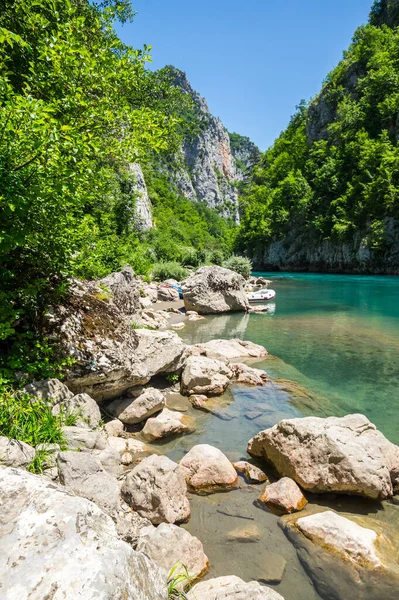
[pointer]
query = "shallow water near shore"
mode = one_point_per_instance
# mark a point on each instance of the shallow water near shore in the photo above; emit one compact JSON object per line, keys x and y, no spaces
{"x":334,"y":342}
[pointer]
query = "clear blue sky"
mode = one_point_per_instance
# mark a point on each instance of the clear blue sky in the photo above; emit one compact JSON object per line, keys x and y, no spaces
{"x":253,"y":60}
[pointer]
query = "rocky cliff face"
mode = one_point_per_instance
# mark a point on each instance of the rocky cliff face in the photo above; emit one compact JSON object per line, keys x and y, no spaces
{"x":143,"y":204}
{"x":294,"y":253}
{"x":205,"y":169}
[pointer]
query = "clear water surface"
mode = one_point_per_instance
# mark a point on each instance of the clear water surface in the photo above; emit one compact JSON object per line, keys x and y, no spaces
{"x":334,"y":345}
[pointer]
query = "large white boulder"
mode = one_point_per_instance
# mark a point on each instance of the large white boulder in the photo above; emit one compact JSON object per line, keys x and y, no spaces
{"x":343,"y":455}
{"x":80,"y":438}
{"x":134,"y":410}
{"x":55,"y":545}
{"x":212,"y":290}
{"x":231,"y":588}
{"x":83,"y":407}
{"x":203,"y":375}
{"x":157,"y":490}
{"x":208,"y":470}
{"x":169,"y":545}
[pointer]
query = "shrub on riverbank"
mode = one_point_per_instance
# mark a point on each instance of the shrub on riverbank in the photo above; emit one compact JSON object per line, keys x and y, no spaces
{"x":239,"y":264}
{"x":169,"y":270}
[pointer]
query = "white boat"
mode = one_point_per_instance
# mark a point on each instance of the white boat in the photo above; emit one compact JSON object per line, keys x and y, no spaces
{"x":263,"y":295}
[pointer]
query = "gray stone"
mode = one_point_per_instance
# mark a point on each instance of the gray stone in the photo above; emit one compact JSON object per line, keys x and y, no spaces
{"x":344,"y":455}
{"x":64,"y":547}
{"x":131,"y":411}
{"x":157,"y":490}
{"x":84,"y":475}
{"x":273,"y":568}
{"x":80,"y":438}
{"x":48,"y":389}
{"x":215,"y":290}
{"x":124,"y":290}
{"x":143,"y":203}
{"x":202,"y":375}
{"x":84,"y":407}
{"x":169,"y":545}
{"x":114,"y":428}
{"x":14,"y":453}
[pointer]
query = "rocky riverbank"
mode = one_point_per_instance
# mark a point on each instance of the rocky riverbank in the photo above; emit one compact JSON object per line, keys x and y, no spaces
{"x":113,"y":504}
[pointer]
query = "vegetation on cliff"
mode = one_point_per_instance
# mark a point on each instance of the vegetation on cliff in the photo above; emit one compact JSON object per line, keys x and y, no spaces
{"x":334,"y":172}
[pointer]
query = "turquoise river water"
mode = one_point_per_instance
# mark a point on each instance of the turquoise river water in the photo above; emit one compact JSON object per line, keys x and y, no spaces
{"x":334,"y":346}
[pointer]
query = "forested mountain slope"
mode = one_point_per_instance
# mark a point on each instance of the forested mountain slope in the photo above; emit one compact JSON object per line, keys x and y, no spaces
{"x":325,"y":196}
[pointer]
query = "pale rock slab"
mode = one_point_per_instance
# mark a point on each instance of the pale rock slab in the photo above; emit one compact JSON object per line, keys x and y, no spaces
{"x":169,"y":545}
{"x":212,"y":290}
{"x":131,"y":411}
{"x":207,"y":470}
{"x":14,"y":453}
{"x":203,"y":375}
{"x":283,"y":497}
{"x":231,"y":588}
{"x":157,"y":490}
{"x":80,"y":438}
{"x":84,"y":475}
{"x":344,"y":455}
{"x":65,"y":547}
{"x":167,"y":423}
{"x":235,"y":348}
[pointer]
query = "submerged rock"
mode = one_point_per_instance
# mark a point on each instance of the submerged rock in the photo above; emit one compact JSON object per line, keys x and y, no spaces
{"x":273,"y":568}
{"x":157,"y":490}
{"x":283,"y":497}
{"x":215,"y":290}
{"x":234,"y":348}
{"x":169,"y":545}
{"x":345,"y":455}
{"x":134,"y":410}
{"x":244,"y":535}
{"x":65,"y":547}
{"x":343,"y":558}
{"x":231,"y":588}
{"x":251,"y":472}
{"x":207,"y":470}
{"x":167,"y":423}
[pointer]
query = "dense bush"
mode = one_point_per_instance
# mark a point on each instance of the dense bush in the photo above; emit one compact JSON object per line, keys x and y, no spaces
{"x":169,"y":270}
{"x":335,"y":177}
{"x":239,"y":264}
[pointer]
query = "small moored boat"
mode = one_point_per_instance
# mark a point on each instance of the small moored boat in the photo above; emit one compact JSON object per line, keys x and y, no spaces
{"x":263,"y":295}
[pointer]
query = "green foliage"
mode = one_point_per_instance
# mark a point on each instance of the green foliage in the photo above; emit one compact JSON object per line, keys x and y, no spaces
{"x":216,"y":257}
{"x":327,"y":179}
{"x":31,"y":420}
{"x":178,"y":580}
{"x":239,"y":264}
{"x":169,"y":270}
{"x":142,"y":326}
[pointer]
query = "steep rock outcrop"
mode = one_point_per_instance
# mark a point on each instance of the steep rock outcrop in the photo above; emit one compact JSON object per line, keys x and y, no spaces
{"x":143,"y":203}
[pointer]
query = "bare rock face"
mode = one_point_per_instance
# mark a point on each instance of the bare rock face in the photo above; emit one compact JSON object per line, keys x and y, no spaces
{"x":82,"y":405}
{"x":344,"y":455}
{"x":14,"y":453}
{"x":143,"y":203}
{"x":134,"y":410}
{"x":207,"y":470}
{"x":235,"y":348}
{"x":231,"y":588}
{"x":169,"y":545}
{"x":157,"y":490}
{"x":65,"y":547}
{"x":283,"y":497}
{"x":213,"y":290}
{"x":341,"y":555}
{"x":167,"y":423}
{"x":251,"y":472}
{"x":83,"y":475}
{"x":123,"y":289}
{"x":202,"y":375}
